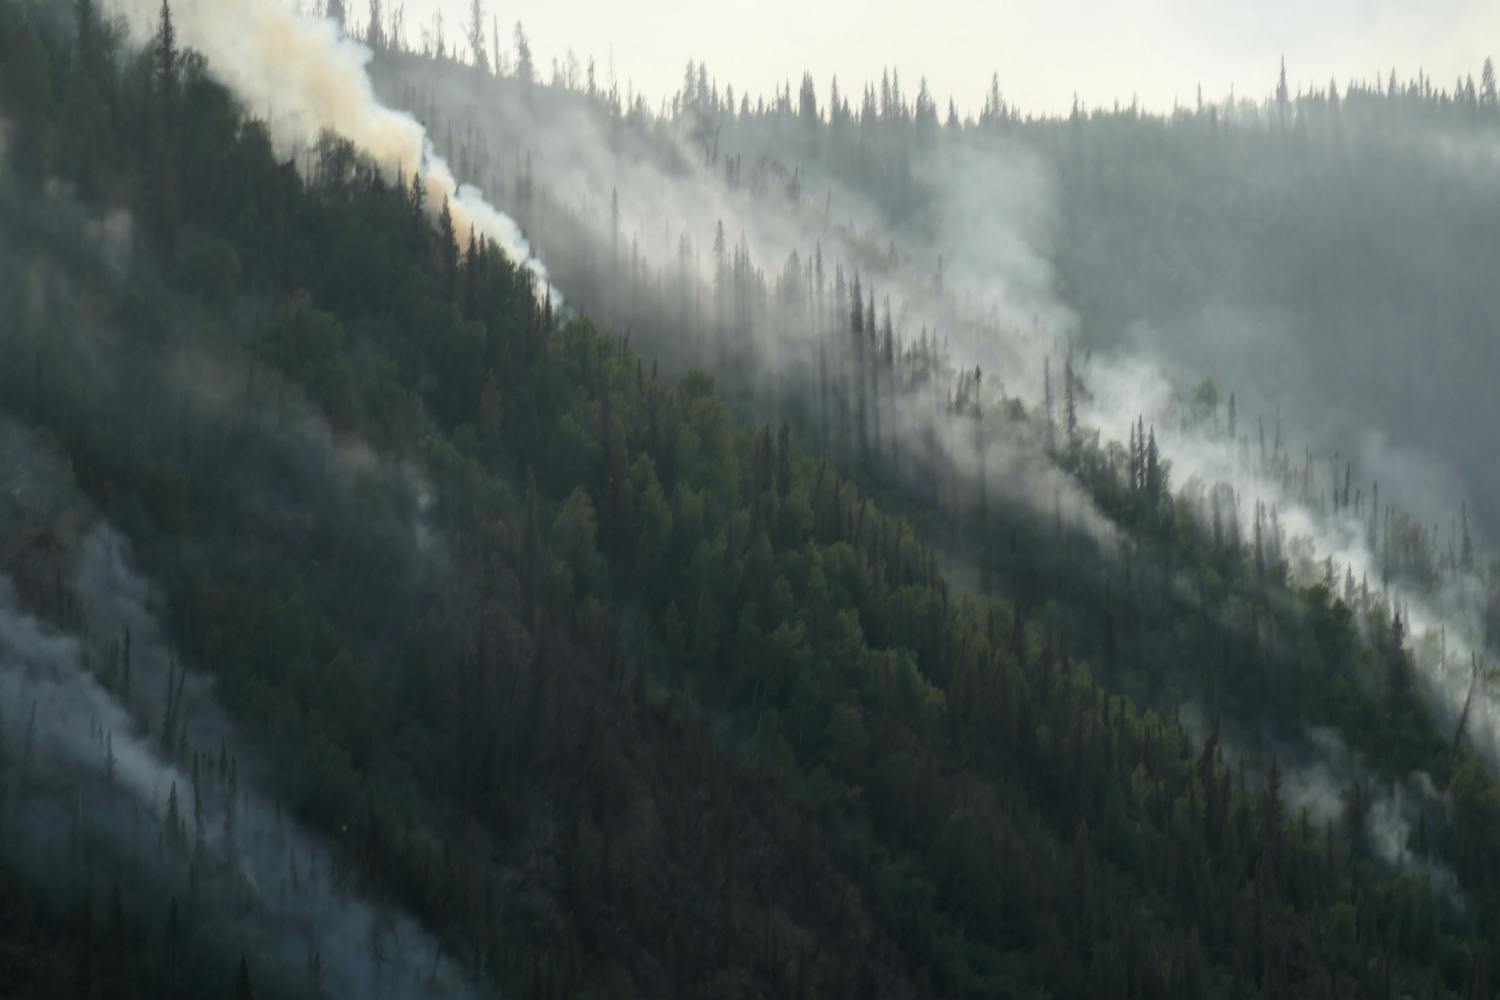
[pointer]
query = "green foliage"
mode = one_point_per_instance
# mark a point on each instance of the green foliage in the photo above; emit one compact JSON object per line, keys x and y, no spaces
{"x":644,"y":701}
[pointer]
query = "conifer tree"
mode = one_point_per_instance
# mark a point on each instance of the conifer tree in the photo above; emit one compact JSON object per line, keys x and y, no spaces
{"x":1466,"y":551}
{"x":475,"y":36}
{"x":1156,"y":485}
{"x":198,"y":830}
{"x":807,"y":103}
{"x":5,"y":782}
{"x":88,"y":36}
{"x":417,"y":195}
{"x":525,"y":68}
{"x":1070,"y":404}
{"x":161,"y":134}
{"x":167,"y":62}
{"x":243,"y":990}
{"x":174,"y":832}
{"x":1048,"y":407}
{"x":173,"y":943}
{"x":448,"y":251}
{"x":1134,"y":479}
{"x":28,"y":748}
{"x":375,"y":30}
{"x":109,"y":760}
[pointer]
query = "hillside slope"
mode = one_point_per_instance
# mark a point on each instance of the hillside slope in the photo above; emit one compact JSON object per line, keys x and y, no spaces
{"x":555,"y":676}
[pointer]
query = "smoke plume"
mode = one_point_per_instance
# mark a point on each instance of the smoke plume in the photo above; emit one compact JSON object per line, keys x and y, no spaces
{"x":129,"y":774}
{"x":306,"y":77}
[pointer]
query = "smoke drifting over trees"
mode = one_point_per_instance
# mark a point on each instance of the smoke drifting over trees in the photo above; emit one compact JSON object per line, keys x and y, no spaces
{"x":130,"y":787}
{"x":860,"y":587}
{"x":990,"y":224}
{"x":307,"y":77}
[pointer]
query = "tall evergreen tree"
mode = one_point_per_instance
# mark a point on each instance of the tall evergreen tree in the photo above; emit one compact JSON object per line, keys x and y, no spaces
{"x":167,"y":64}
{"x":28,"y":748}
{"x":1049,"y":409}
{"x":475,"y":35}
{"x":375,"y":28}
{"x":161,"y":136}
{"x":88,"y":36}
{"x":1466,"y":551}
{"x":4,"y":770}
{"x":807,"y":102}
{"x":1156,"y":480}
{"x":448,"y":251}
{"x":525,"y":68}
{"x":243,"y":989}
{"x":1070,"y":404}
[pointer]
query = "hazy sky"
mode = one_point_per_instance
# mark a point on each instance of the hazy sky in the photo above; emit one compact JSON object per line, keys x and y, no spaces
{"x":1044,"y":50}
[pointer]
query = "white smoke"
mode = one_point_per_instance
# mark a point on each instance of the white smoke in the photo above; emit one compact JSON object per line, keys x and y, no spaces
{"x":87,"y":768}
{"x":306,"y":77}
{"x":1445,"y":623}
{"x":611,"y":198}
{"x":990,"y":219}
{"x":1319,"y":774}
{"x":990,"y":216}
{"x":76,"y":742}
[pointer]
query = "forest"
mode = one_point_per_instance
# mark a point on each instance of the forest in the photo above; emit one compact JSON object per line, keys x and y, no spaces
{"x":707,"y":584}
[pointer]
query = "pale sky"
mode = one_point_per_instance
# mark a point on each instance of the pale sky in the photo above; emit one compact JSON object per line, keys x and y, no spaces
{"x":1044,"y":50}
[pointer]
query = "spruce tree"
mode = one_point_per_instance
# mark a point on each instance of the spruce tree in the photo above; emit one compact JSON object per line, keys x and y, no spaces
{"x":447,"y":251}
{"x":4,"y":768}
{"x":243,"y":990}
{"x":475,"y":35}
{"x":28,"y":748}
{"x":1048,"y":407}
{"x":1466,"y":552}
{"x":525,"y":68}
{"x":167,"y":62}
{"x":1070,"y":403}
{"x":174,"y":832}
{"x":88,"y":35}
{"x":1155,"y":478}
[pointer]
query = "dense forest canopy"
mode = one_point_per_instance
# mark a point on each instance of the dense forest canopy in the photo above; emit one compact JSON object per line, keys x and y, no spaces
{"x":745,"y":216}
{"x":757,"y":552}
{"x":1223,"y":234}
